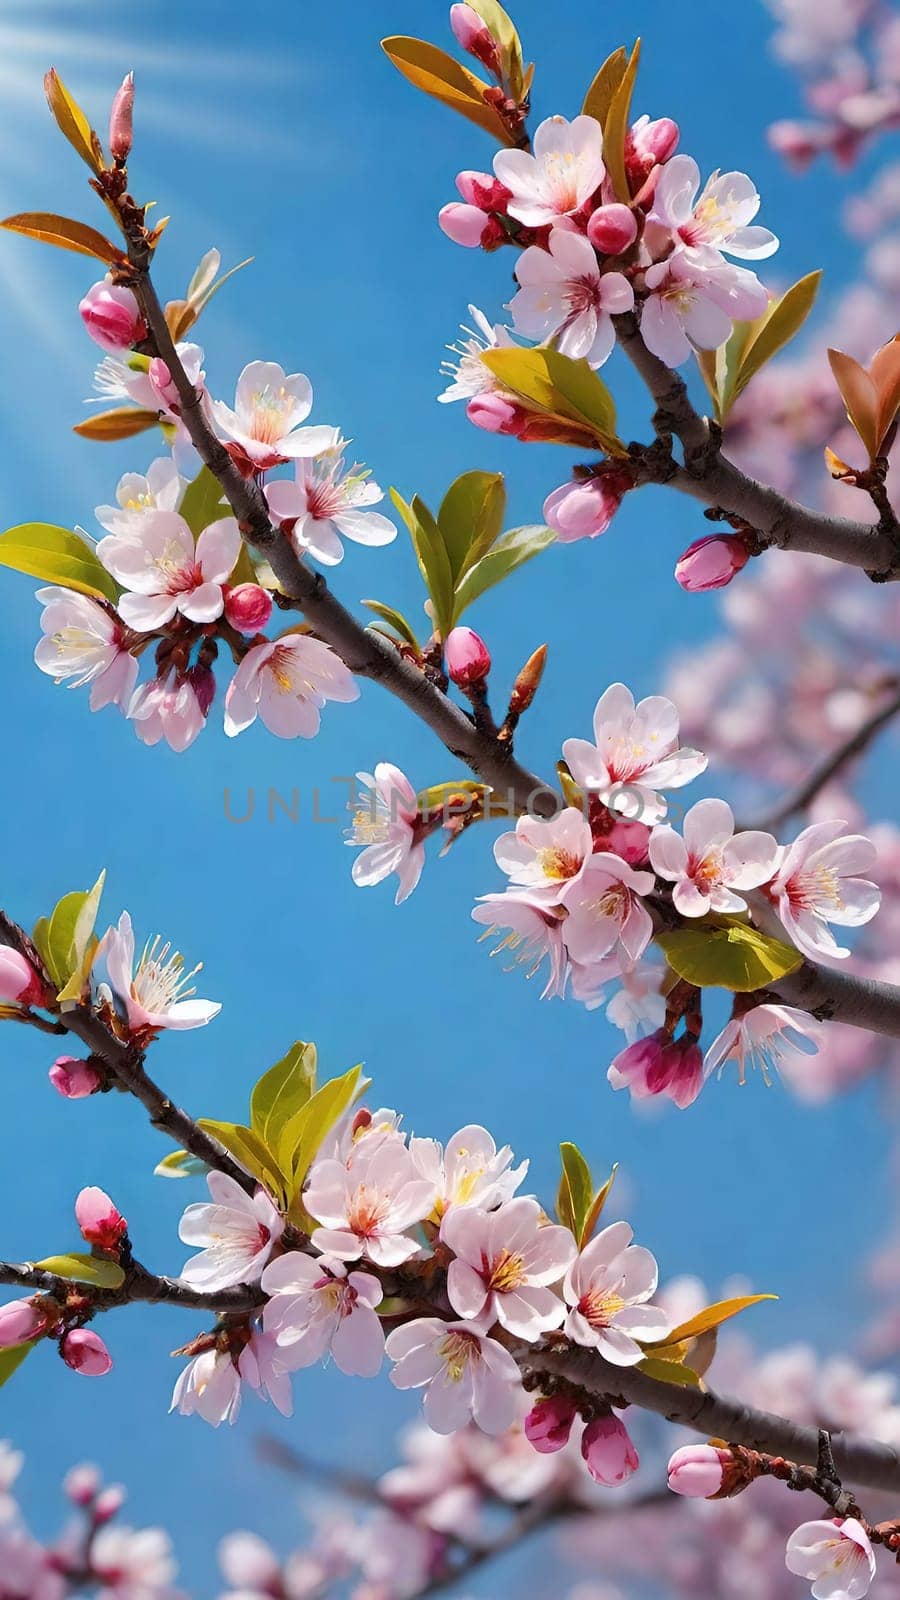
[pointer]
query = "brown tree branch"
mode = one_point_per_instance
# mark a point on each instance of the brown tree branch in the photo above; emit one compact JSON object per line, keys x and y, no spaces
{"x":139,"y":1286}
{"x":710,"y":477}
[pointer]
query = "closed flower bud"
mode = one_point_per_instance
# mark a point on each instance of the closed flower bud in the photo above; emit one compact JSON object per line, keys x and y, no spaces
{"x":608,"y":1451}
{"x":84,"y":1351}
{"x":528,"y":681}
{"x":21,"y":1320}
{"x":248,"y":607}
{"x":584,"y":510}
{"x":697,"y":1471}
{"x":711,"y":563}
{"x":473,"y":35}
{"x":163,"y":385}
{"x":82,"y":1484}
{"x":466,"y":657}
{"x":647,"y":145}
{"x":549,"y":1423}
{"x":483,"y":190}
{"x":19,"y":981}
{"x":109,"y":1501}
{"x":73,"y":1078}
{"x":112,"y":317}
{"x":495,"y":414}
{"x":120,"y":120}
{"x":465,"y":225}
{"x":99,"y":1220}
{"x":612,"y":229}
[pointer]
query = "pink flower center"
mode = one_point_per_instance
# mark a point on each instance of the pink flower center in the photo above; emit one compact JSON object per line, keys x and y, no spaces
{"x":367,"y":1211}
{"x":707,"y":872}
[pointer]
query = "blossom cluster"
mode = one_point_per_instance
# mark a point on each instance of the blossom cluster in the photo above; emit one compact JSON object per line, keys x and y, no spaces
{"x":584,"y":887}
{"x":187,"y":593}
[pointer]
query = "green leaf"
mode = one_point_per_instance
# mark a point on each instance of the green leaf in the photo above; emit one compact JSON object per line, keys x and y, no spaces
{"x":302,"y":1136}
{"x":575,"y":1189}
{"x":11,"y":1359}
{"x":203,"y":502}
{"x":72,"y":122}
{"x":56,"y":556}
{"x":510,"y":552}
{"x":714,"y":1316}
{"x":503,"y":30}
{"x":599,"y":97}
{"x":668,"y":1371}
{"x":443,"y":78}
{"x":69,"y":935}
{"x":247,"y":1147}
{"x":616,"y":124}
{"x":439,"y":795}
{"x":396,"y":620}
{"x":734,"y":957}
{"x":471,"y":518}
{"x":595,"y":1212}
{"x":434,"y":563}
{"x":560,"y":387}
{"x":85,"y":1269}
{"x":775,"y":329}
{"x":282,"y":1091}
{"x":179,"y":1164}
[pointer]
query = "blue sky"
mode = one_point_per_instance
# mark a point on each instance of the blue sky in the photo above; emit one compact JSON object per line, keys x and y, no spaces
{"x":309,"y":152}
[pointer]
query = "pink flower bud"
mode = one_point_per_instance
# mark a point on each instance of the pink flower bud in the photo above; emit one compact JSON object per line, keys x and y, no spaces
{"x":19,"y":981}
{"x":73,"y":1078}
{"x":483,"y":190}
{"x":465,"y":225}
{"x":612,"y":229}
{"x":99,"y":1220}
{"x":120,"y":120}
{"x":607,"y":1448}
{"x":697,"y":1471}
{"x":248,"y":607}
{"x":203,"y":682}
{"x":584,"y":510}
{"x":112,"y":317}
{"x":711,"y":563}
{"x":20,"y":1320}
{"x":84,"y":1351}
{"x":82,"y":1483}
{"x":249,"y":1564}
{"x":647,"y":145}
{"x":549,"y":1423}
{"x":109,"y":1501}
{"x":466,"y":657}
{"x":660,"y":1065}
{"x":163,"y":385}
{"x":495,"y":414}
{"x":474,"y":36}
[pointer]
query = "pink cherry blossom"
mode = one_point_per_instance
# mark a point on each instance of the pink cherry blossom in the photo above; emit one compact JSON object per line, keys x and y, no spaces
{"x":73,"y":1078}
{"x":711,"y":563}
{"x":249,"y":1565}
{"x":155,"y":993}
{"x":138,"y":495}
{"x":836,"y":1554}
{"x":167,"y":709}
{"x":84,"y":643}
{"x":711,"y":861}
{"x":605,"y":913}
{"x":564,"y":296}
{"x":264,"y":425}
{"x":466,"y":1375}
{"x":317,"y":1307}
{"x":692,"y":304}
{"x":328,"y":500}
{"x":286,"y":682}
{"x":133,"y":1564}
{"x":635,"y":754}
{"x":584,"y":510}
{"x":607,"y":1289}
{"x":608,"y":1451}
{"x":238,"y":1232}
{"x":19,"y":981}
{"x":504,"y":1262}
{"x":534,"y":934}
{"x":209,"y":1387}
{"x":261,"y":1367}
{"x":164,"y":571}
{"x":368,"y":1209}
{"x":468,"y":1171}
{"x":386,"y":822}
{"x":719,"y":219}
{"x":112,"y":316}
{"x":546,"y":855}
{"x":564,"y":172}
{"x":647,"y":145}
{"x":468,"y":375}
{"x":819,"y":882}
{"x":760,"y":1038}
{"x":659,"y":1065}
{"x":100,"y":1221}
{"x":84,"y":1351}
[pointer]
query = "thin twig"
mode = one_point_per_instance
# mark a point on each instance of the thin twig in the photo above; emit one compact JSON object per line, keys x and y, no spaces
{"x":797,"y":800}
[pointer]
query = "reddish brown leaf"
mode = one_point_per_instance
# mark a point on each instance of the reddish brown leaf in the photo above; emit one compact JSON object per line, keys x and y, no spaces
{"x":122,"y":423}
{"x":65,"y":233}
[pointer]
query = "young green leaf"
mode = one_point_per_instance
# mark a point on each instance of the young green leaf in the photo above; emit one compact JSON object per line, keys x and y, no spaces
{"x":179,"y":1164}
{"x":510,"y":552}
{"x":575,"y":1189}
{"x":471,"y":518}
{"x":203,"y":502}
{"x":503,"y":30}
{"x":395,"y":620}
{"x":595,"y":1211}
{"x":56,"y":556}
{"x":735,"y":957}
{"x":72,"y":122}
{"x":443,"y":78}
{"x":303,"y":1135}
{"x":70,"y":939}
{"x":247,"y":1148}
{"x":11,"y":1359}
{"x":668,"y":1371}
{"x":434,"y":563}
{"x":282,"y":1091}
{"x":616,"y":124}
{"x":85,"y":1269}
{"x":560,"y":387}
{"x":600,"y":95}
{"x":781,"y":323}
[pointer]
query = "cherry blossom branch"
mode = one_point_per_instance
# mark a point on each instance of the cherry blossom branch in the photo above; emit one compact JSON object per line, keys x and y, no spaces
{"x":710,"y":477}
{"x":797,"y":800}
{"x":139,"y":1285}
{"x":863,"y":1461}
